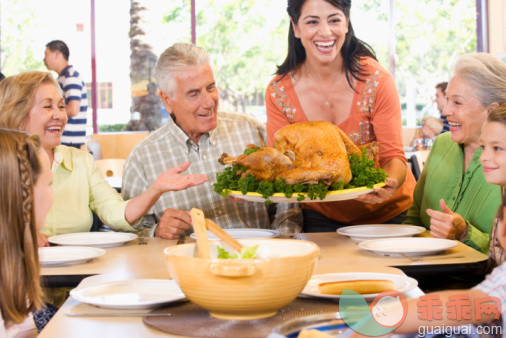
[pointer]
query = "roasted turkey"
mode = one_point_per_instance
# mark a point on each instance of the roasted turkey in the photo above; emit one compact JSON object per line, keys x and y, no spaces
{"x":317,"y":145}
{"x":305,"y":152}
{"x":265,"y":164}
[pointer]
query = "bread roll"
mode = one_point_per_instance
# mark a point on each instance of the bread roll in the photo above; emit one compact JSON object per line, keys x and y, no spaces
{"x":362,"y":286}
{"x":313,"y":334}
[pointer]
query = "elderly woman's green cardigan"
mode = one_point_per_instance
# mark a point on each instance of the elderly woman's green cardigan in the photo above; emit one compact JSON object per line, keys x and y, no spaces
{"x":466,"y":193}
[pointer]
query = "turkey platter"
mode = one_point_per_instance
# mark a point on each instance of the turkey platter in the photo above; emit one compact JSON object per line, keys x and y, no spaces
{"x":308,"y":159}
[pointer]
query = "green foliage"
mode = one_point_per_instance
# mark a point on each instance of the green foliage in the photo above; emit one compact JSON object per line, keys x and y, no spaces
{"x":18,"y":36}
{"x":363,"y":172}
{"x":244,"y":44}
{"x":428,"y":58}
{"x":105,"y":128}
{"x":178,"y":13}
{"x":378,"y":6}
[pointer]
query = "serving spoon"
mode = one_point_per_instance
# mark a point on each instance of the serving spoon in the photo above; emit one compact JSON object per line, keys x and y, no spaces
{"x":200,"y":229}
{"x":223,"y":235}
{"x":200,"y":226}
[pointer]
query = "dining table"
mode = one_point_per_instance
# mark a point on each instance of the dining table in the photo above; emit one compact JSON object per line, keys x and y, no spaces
{"x":146,"y":261}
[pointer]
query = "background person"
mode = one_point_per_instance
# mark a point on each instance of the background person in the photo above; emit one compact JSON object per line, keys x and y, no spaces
{"x":331,"y":75}
{"x":56,"y":58}
{"x":196,"y":132}
{"x":440,"y":99}
{"x":25,"y":199}
{"x":32,"y":102}
{"x":431,"y":127}
{"x":452,"y":197}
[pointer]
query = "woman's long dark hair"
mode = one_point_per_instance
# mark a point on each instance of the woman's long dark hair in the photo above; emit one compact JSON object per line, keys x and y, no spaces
{"x":353,"y":48}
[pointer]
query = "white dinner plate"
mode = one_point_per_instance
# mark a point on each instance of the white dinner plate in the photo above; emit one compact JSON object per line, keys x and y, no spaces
{"x":402,"y":283}
{"x":130,"y":294}
{"x":67,"y":255}
{"x":95,"y":239}
{"x":332,"y":196}
{"x":360,"y":233}
{"x":114,"y":181}
{"x":413,"y":246}
{"x":244,"y":233}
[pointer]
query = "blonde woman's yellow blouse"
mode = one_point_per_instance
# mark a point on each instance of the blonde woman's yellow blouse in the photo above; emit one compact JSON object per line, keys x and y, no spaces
{"x":78,"y":189}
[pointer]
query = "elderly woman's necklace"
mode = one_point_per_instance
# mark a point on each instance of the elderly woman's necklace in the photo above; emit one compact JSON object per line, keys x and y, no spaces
{"x":327,"y":102}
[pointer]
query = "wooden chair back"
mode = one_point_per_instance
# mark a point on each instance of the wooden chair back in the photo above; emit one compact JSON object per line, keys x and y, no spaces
{"x":111,"y":166}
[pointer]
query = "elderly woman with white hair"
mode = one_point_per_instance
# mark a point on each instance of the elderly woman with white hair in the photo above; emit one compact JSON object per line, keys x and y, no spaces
{"x":452,"y":197}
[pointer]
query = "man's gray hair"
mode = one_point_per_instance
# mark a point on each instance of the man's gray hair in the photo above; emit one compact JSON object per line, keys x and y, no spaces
{"x":487,"y":75}
{"x":178,"y":57}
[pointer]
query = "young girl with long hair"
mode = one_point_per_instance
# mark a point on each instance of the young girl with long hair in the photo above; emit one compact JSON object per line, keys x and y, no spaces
{"x":25,"y":199}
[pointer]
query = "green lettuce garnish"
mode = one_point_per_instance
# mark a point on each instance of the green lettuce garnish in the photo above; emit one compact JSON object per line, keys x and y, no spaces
{"x":362,"y":168}
{"x":250,"y":252}
{"x":246,"y":253}
{"x":224,"y":254}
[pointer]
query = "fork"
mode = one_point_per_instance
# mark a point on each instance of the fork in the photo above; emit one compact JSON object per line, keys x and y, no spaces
{"x":142,"y":240}
{"x":410,"y":258}
{"x":119,"y":314}
{"x":416,"y":259}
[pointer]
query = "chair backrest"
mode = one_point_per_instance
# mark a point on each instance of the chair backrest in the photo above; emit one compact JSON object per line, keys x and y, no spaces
{"x":415,"y":166}
{"x":118,"y":145}
{"x":408,"y":134}
{"x":111,"y":166}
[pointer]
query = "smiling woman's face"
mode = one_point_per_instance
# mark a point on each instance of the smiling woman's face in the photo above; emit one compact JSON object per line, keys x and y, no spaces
{"x":322,"y":30}
{"x":47,"y":118}
{"x":464,"y":111}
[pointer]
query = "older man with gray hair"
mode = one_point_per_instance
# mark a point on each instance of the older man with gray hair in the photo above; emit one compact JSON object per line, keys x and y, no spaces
{"x":196,"y":132}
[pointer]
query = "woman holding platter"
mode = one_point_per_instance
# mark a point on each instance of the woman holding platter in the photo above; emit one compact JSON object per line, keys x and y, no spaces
{"x":331,"y":75}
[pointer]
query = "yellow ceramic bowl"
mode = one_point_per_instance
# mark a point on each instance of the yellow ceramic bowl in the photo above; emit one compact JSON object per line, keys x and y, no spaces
{"x":244,"y":288}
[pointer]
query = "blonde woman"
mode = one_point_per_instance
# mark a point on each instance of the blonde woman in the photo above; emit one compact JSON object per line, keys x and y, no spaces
{"x":32,"y":102}
{"x":431,"y":126}
{"x":25,"y":199}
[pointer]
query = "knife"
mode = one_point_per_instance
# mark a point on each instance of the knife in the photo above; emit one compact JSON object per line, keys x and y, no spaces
{"x":131,"y":314}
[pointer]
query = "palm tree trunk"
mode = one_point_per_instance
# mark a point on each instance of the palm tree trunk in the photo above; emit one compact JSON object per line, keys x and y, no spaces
{"x":142,"y":71}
